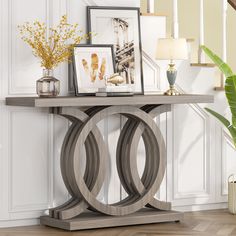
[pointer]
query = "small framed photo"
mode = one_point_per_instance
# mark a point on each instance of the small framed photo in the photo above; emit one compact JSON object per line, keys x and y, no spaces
{"x":91,"y":65}
{"x":120,"y":26}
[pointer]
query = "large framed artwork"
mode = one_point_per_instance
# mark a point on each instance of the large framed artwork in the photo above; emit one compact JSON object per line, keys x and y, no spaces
{"x":120,"y":26}
{"x":92,"y":64}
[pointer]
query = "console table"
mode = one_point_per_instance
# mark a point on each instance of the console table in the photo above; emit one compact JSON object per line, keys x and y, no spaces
{"x":84,"y":210}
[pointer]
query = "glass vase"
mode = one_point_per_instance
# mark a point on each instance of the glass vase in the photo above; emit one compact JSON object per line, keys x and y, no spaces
{"x":48,"y":86}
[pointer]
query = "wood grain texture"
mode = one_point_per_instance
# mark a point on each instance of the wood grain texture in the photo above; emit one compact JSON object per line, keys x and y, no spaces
{"x":95,"y":221}
{"x":84,"y":188}
{"x":219,"y":88}
{"x":95,"y":162}
{"x":204,"y":223}
{"x":140,"y":196}
{"x":126,"y":156}
{"x":84,"y":133}
{"x":153,"y":14}
{"x":203,"y":64}
{"x":232,"y":3}
{"x":107,"y":101}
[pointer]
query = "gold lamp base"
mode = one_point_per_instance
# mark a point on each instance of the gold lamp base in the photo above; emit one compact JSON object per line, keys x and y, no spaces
{"x":171,"y":92}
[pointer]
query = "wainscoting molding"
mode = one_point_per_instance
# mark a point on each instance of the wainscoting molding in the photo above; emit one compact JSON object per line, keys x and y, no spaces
{"x":228,"y":161}
{"x":30,"y":165}
{"x":22,"y":65}
{"x":196,"y":114}
{"x":151,"y":75}
{"x":27,"y":188}
{"x":1,"y":52}
{"x":190,"y":156}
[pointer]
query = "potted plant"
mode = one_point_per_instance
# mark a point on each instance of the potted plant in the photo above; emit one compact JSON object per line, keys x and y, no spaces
{"x":52,"y":46}
{"x":230,"y":93}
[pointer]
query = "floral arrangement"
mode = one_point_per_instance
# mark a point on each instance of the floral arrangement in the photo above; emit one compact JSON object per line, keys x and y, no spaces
{"x":54,"y":45}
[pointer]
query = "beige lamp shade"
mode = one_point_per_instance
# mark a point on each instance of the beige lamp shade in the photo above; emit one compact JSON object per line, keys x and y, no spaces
{"x":172,"y":49}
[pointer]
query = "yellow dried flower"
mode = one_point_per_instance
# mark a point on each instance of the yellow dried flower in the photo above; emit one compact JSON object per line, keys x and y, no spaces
{"x":57,"y":47}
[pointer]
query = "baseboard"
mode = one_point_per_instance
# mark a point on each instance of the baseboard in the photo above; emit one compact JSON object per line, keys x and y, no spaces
{"x":17,"y":223}
{"x":202,"y":207}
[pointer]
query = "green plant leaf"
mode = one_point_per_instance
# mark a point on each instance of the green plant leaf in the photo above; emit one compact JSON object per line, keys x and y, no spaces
{"x":230,"y":92}
{"x":232,"y":131}
{"x":225,"y":122}
{"x":227,"y":71}
{"x":221,"y":118}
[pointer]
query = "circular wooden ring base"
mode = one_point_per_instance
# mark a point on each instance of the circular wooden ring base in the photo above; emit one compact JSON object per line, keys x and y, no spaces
{"x":84,"y":188}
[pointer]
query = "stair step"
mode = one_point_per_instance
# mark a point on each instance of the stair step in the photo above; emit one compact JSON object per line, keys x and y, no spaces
{"x":190,"y":40}
{"x":202,"y":64}
{"x":219,"y":88}
{"x":152,"y":14}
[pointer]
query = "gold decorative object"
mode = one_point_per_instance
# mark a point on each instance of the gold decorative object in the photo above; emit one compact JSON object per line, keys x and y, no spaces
{"x":54,"y":49}
{"x":94,"y":66}
{"x":93,"y":71}
{"x":116,"y":79}
{"x":102,"y":69}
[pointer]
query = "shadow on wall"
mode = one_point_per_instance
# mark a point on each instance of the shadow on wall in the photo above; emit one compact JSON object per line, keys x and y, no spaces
{"x":201,"y":80}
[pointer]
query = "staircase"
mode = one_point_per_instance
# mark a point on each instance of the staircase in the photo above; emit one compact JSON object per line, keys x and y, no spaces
{"x":201,"y":36}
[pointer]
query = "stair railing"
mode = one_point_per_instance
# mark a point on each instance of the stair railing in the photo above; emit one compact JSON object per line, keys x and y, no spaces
{"x":201,"y":55}
{"x":224,"y":41}
{"x":150,"y":6}
{"x":232,"y":3}
{"x":224,"y":37}
{"x":175,"y":24}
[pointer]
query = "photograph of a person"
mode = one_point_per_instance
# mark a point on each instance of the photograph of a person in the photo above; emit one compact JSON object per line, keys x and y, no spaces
{"x":120,"y":27}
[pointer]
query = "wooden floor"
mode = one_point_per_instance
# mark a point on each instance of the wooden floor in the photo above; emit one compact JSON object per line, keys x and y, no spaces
{"x":216,"y":222}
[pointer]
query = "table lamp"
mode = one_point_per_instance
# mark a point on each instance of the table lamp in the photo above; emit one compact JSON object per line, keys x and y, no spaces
{"x":171,"y":49}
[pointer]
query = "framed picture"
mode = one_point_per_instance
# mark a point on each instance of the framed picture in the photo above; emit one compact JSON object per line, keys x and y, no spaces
{"x":120,"y":26}
{"x":91,"y":64}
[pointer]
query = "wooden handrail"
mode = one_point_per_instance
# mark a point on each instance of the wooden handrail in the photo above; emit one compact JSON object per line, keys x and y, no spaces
{"x":232,"y":3}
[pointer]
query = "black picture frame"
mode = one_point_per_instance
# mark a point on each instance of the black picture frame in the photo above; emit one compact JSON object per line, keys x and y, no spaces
{"x":137,"y":59}
{"x":75,"y":71}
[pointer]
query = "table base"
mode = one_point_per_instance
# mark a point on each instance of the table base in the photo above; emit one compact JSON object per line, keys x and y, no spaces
{"x":92,"y":220}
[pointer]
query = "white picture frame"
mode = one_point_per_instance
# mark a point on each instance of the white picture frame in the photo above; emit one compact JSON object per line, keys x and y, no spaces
{"x":91,"y":65}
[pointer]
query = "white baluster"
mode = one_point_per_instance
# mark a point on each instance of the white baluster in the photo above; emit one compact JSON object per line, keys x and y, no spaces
{"x":224,"y":36}
{"x":175,"y":30}
{"x":224,"y":39}
{"x":151,"y":6}
{"x":201,"y":56}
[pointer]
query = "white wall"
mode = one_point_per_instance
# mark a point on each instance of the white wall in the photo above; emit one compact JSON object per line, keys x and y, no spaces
{"x":30,"y":139}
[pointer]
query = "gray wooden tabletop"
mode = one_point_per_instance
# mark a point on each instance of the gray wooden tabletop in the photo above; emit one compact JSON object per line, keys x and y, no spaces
{"x":107,"y":101}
